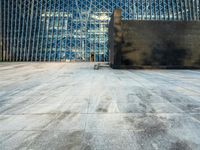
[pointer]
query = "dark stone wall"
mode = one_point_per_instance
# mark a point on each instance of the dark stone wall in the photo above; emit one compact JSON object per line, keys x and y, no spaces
{"x":154,"y":44}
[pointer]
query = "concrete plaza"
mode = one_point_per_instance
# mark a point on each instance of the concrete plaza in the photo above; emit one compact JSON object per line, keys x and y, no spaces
{"x":71,"y":106}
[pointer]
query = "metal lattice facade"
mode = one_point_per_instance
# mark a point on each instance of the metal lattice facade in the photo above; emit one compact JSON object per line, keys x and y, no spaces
{"x":75,"y":30}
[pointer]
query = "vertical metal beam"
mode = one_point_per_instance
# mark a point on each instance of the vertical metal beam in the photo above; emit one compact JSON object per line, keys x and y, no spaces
{"x":89,"y":38}
{"x":31,"y":27}
{"x":72,"y":19}
{"x":1,"y":30}
{"x":193,"y":10}
{"x":146,"y":9}
{"x":141,"y":9}
{"x":91,"y":31}
{"x":57,"y":31}
{"x":19,"y":32}
{"x":85,"y":23}
{"x":68,"y":48}
{"x":95,"y":10}
{"x":81,"y":30}
{"x":177,"y":9}
{"x":75,"y":33}
{"x":125,"y":10}
{"x":47,"y":35}
{"x":26,"y":32}
{"x":181,"y":8}
{"x":137,"y":10}
{"x":22,"y":34}
{"x":31,"y":47}
{"x":186,"y":12}
{"x":15,"y":31}
{"x":7,"y":33}
{"x":43,"y":30}
{"x":61,"y":39}
{"x":4,"y":32}
{"x":172,"y":8}
{"x":164,"y":11}
{"x":129,"y":7}
{"x":189,"y":10}
{"x":150,"y":3}
{"x":95,"y":33}
{"x":104,"y":33}
{"x":11,"y":31}
{"x":82,"y":20}
{"x":159,"y":12}
{"x":52,"y":33}
{"x":85,"y":31}
{"x":133,"y":9}
{"x":168,"y":9}
{"x":197,"y":10}
{"x":155,"y":12}
{"x":99,"y":33}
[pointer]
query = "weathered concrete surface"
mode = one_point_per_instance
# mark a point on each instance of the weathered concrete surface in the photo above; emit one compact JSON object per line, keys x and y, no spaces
{"x":155,"y":44}
{"x":71,"y":106}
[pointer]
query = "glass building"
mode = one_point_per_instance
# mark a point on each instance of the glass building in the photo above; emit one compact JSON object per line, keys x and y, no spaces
{"x":75,"y":30}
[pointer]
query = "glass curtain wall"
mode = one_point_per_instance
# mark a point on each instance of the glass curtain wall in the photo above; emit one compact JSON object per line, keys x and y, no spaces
{"x":75,"y":30}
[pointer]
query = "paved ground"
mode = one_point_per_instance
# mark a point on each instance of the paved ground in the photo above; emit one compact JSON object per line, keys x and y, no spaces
{"x":72,"y":106}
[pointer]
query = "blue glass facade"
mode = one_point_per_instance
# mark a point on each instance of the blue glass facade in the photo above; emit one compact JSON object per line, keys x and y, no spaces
{"x":75,"y":30}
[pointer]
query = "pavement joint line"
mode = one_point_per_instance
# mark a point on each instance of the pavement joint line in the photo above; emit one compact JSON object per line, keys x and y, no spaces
{"x":99,"y":113}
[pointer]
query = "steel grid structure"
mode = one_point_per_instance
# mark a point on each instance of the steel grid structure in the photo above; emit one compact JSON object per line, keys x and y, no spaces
{"x":75,"y":30}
